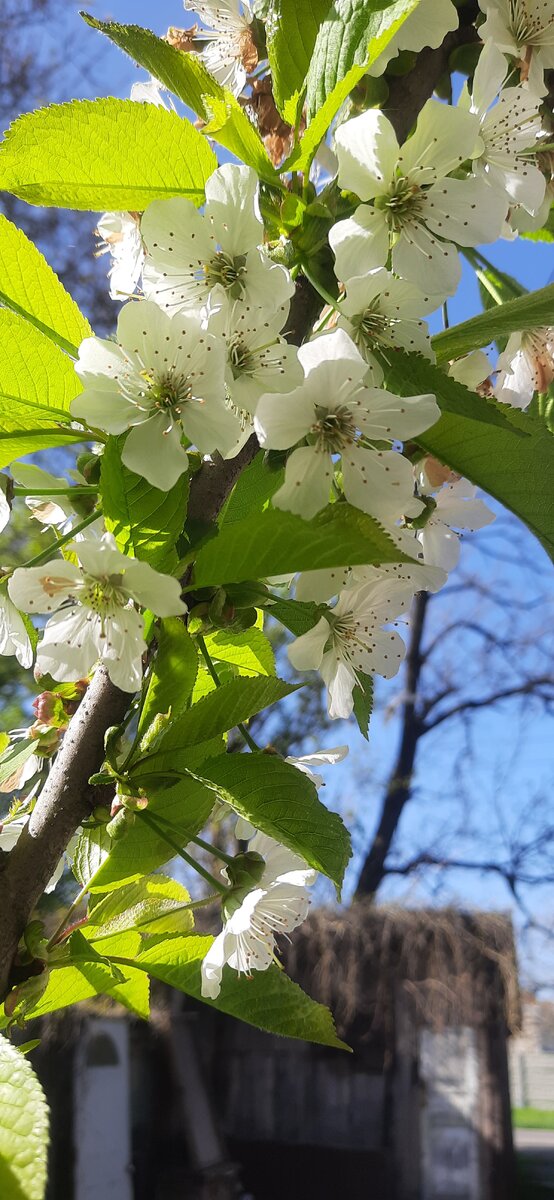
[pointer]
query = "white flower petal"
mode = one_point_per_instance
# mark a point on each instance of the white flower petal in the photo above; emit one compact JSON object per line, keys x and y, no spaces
{"x":367,"y":150}
{"x":307,"y":486}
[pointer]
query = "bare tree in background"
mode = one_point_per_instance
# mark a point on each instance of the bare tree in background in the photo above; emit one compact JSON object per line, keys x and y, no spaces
{"x":36,"y":70}
{"x":474,"y":650}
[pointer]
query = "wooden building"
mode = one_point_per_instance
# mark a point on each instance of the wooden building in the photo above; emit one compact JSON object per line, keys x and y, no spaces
{"x":207,"y":1108}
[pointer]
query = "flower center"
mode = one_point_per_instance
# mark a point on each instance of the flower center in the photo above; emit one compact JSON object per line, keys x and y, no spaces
{"x":103,"y":595}
{"x":527,"y":25}
{"x":240,"y":359}
{"x":369,"y":327}
{"x":228,"y":271}
{"x":168,"y":392}
{"x":538,"y":347}
{"x":401,"y":203}
{"x":333,"y":430}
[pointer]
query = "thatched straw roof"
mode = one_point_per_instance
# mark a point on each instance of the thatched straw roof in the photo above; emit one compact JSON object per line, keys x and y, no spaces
{"x":451,"y":967}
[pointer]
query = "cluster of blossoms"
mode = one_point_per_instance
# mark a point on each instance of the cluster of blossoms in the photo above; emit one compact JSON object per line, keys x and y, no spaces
{"x":201,"y":362}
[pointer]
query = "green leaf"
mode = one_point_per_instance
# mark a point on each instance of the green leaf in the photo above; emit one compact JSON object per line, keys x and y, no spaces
{"x":37,"y":385}
{"x":12,"y":760}
{"x":29,"y":287}
{"x":269,"y":999}
{"x":186,"y":76}
{"x":71,"y":984}
{"x":250,"y":651}
{"x":104,"y":154}
{"x":81,"y":951}
{"x":526,"y":312}
{"x":23,"y":1128}
{"x":145,"y":521}
{"x":412,"y":375}
{"x":173,"y":673}
{"x":217,"y":712}
{"x":296,"y":615}
{"x":292,"y":29}
{"x":92,"y":849}
{"x":363,"y":702}
{"x":508,"y":453}
{"x":349,"y":41}
{"x":152,"y":905}
{"x":253,"y":491}
{"x":280,"y":543}
{"x":282,"y":802}
{"x":187,"y":806}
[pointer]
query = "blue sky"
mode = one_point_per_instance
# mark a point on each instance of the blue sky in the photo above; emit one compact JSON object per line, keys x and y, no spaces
{"x":513,"y":756}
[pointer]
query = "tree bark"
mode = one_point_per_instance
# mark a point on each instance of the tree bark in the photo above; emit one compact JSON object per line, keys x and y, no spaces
{"x":399,"y":786}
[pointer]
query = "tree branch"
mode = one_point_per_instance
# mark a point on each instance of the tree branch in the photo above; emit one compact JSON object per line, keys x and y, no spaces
{"x":399,"y":786}
{"x":530,"y":687}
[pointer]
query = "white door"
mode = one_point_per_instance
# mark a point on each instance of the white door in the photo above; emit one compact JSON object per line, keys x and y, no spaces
{"x":449,"y":1068}
{"x":102,"y":1112}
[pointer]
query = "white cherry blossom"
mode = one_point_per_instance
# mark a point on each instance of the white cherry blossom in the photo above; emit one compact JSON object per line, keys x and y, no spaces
{"x":230,"y":52}
{"x":119,"y":234}
{"x":339,"y":416}
{"x":350,"y":642}
{"x":259,"y":361}
{"x":14,"y":638}
{"x":509,"y":125}
{"x":526,"y":366}
{"x":324,"y":584}
{"x":523,"y":29}
{"x":472,"y":369}
{"x":417,"y":214}
{"x":426,"y":26}
{"x":457,"y":508}
{"x":162,"y":379}
{"x":382,"y":313}
{"x":216,"y":255}
{"x":94,"y":614}
{"x":276,"y":905}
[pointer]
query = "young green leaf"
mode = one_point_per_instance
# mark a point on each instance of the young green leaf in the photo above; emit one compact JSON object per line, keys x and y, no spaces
{"x":282,"y":802}
{"x":186,"y":806}
{"x":104,"y":154}
{"x":353,"y":35}
{"x":186,"y":76}
{"x":70,"y":984}
{"x":220,"y":710}
{"x":292,"y":30}
{"x":269,"y":999}
{"x":250,"y":652}
{"x":154,"y":904}
{"x":144,"y":521}
{"x":525,"y":312}
{"x":23,"y":1128}
{"x":92,"y":849}
{"x":29,"y":287}
{"x":173,"y":673}
{"x":280,"y":543}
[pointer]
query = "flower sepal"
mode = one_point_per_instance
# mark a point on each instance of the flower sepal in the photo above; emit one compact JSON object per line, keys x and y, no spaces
{"x":244,"y":872}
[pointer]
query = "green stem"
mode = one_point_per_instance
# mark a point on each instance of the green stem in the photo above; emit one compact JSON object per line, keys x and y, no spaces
{"x":217,"y":853}
{"x":211,"y":668}
{"x":79,"y":489}
{"x":150,"y":820}
{"x":325,"y":295}
{"x":56,"y":936}
{"x":45,"y":555}
{"x":478,"y":260}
